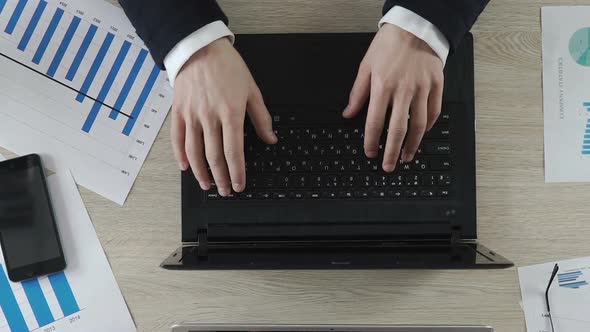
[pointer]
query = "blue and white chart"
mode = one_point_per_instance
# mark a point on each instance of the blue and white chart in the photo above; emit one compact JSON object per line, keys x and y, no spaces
{"x":569,"y":296}
{"x":566,"y":97}
{"x":78,"y":84}
{"x":84,"y":297}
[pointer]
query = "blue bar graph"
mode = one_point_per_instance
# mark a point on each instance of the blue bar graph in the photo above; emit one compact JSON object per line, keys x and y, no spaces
{"x":64,"y":294}
{"x":106,"y":87}
{"x":61,"y":51}
{"x":129,"y":83}
{"x":38,"y":302}
{"x":32,"y":25}
{"x":102,"y":52}
{"x":20,"y":6}
{"x":149,"y":85}
{"x":48,"y":35}
{"x":586,"y":104}
{"x":9,"y":305}
{"x":50,"y":24}
{"x":572,"y":280}
{"x":81,"y":52}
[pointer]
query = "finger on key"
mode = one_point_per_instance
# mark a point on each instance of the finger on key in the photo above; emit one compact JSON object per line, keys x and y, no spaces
{"x":195,"y":151}
{"x":215,"y":157}
{"x":418,"y":120}
{"x":233,"y":148}
{"x":398,"y":126}
{"x":178,"y":134}
{"x":378,"y":103}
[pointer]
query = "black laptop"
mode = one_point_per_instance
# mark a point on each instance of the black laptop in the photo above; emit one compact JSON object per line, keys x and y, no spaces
{"x":314,"y":200}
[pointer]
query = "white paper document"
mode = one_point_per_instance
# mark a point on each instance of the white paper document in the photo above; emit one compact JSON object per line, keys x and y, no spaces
{"x":569,"y":296}
{"x":84,"y":297}
{"x":566,"y":93}
{"x":78,"y":84}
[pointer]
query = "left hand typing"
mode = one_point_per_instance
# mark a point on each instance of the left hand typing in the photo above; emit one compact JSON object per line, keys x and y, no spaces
{"x":399,"y":69}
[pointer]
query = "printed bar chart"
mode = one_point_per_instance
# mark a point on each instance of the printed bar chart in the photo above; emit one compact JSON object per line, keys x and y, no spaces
{"x":81,"y":82}
{"x":573,"y":280}
{"x":36,"y":298}
{"x":81,"y":53}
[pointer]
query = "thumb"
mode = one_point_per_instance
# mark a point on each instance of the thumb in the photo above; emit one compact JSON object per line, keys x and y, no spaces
{"x":260,"y":117}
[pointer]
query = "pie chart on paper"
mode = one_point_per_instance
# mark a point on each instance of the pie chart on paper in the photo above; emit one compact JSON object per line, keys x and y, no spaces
{"x":580,"y":46}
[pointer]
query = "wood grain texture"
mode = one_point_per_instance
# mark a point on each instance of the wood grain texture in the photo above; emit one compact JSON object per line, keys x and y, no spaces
{"x":519,"y":215}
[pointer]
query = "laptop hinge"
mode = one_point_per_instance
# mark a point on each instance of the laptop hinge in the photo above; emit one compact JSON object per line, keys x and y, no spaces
{"x":455,"y":228}
{"x":203,"y":241}
{"x":455,"y":234}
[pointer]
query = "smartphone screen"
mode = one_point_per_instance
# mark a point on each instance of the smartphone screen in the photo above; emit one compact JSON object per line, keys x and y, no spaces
{"x":28,"y":232}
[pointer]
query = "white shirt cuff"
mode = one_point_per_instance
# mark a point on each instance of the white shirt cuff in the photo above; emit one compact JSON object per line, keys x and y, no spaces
{"x":191,"y":44}
{"x":419,"y":27}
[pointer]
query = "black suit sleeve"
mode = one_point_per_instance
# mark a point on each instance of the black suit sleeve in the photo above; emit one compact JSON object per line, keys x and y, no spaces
{"x":163,"y":23}
{"x":454,"y":18}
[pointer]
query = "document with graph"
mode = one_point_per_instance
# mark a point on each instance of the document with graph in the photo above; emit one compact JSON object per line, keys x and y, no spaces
{"x":566,"y":95}
{"x":569,"y":296}
{"x":84,"y":297}
{"x":78,"y":84}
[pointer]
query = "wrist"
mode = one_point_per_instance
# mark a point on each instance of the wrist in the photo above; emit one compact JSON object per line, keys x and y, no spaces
{"x":216,"y":46}
{"x":406,"y":38}
{"x":214,"y":49}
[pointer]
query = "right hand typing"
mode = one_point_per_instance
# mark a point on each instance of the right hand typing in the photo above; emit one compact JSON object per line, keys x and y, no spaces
{"x":213,"y":92}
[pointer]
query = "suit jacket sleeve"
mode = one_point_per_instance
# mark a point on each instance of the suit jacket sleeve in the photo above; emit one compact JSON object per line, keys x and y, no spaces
{"x":163,"y":23}
{"x":454,"y":18}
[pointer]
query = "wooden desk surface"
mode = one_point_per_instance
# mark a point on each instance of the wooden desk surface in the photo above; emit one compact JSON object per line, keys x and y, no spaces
{"x":520,"y":216}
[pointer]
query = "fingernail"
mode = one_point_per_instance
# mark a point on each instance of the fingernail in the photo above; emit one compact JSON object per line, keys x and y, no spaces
{"x":183,"y":165}
{"x":407,"y":156}
{"x":388,"y":167}
{"x":205,"y":185}
{"x":224,"y":191}
{"x":238,"y":187}
{"x":273,"y":136}
{"x":346,"y":109}
{"x":371,"y":154}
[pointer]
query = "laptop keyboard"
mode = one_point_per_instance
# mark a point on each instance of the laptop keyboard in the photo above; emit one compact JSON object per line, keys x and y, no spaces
{"x":328,"y":163}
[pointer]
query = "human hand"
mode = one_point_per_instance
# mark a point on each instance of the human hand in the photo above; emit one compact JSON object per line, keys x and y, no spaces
{"x":213,"y":92}
{"x":399,"y":69}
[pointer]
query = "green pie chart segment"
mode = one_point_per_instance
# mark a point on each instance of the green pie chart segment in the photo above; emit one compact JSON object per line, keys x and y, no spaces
{"x":580,"y":46}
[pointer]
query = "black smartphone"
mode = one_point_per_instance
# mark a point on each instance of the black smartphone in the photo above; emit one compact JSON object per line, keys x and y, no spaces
{"x":28,"y":232}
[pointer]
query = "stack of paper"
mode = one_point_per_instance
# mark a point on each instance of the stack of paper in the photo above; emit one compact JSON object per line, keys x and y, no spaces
{"x":84,"y":297}
{"x":569,"y":296}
